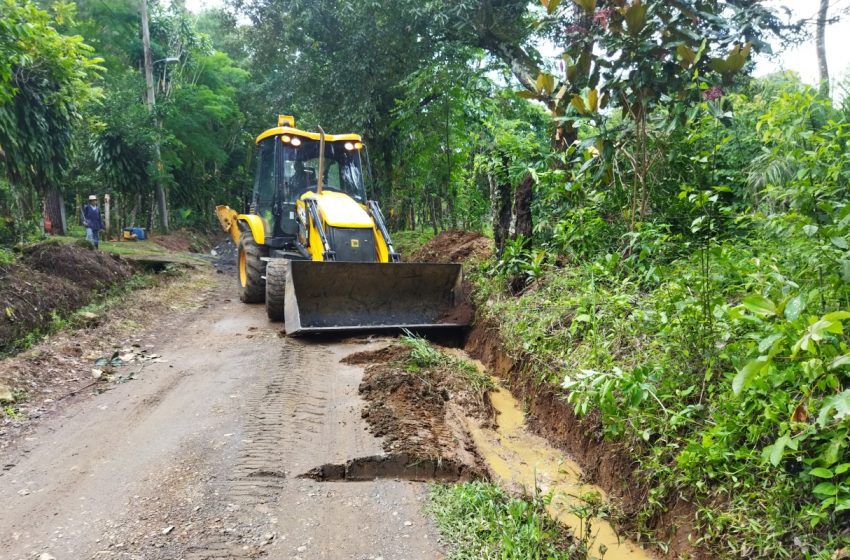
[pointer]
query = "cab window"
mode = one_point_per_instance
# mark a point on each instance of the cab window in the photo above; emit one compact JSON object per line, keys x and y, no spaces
{"x":264,"y":181}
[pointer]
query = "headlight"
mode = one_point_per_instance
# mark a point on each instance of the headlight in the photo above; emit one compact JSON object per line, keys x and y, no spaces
{"x":296,"y":141}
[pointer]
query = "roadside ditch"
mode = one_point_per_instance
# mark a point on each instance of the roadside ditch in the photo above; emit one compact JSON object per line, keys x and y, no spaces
{"x":607,"y":465}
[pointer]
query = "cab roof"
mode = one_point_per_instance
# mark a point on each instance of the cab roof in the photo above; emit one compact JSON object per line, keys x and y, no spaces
{"x":281,"y":130}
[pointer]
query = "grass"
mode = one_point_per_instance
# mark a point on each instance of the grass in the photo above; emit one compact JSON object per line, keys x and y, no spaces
{"x":130,"y":250}
{"x":655,"y":369}
{"x":480,"y":520}
{"x":424,"y":355}
{"x":6,"y":256}
{"x":11,"y":412}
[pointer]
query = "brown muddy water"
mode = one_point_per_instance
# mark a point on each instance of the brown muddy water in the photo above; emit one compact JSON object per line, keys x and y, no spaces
{"x":518,"y":457}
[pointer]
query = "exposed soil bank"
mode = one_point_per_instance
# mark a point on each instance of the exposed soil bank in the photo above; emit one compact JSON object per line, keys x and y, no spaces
{"x":52,"y":279}
{"x":464,"y":247}
{"x":454,"y":247}
{"x":606,"y":464}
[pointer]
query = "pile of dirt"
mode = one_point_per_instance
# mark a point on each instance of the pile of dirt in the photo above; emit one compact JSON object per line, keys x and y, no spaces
{"x":454,"y":247}
{"x":49,"y":280}
{"x":79,"y":264}
{"x":419,"y":412}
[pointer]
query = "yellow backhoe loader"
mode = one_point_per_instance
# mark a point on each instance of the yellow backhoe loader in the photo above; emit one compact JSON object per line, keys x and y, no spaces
{"x":318,"y":252}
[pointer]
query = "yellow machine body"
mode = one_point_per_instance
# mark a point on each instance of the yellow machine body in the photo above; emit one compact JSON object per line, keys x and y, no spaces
{"x":338,"y":210}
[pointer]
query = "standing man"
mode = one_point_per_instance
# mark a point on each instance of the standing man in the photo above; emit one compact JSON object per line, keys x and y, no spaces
{"x":92,"y":221}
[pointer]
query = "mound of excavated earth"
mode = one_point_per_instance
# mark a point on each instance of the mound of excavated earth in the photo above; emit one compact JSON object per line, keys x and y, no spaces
{"x":418,"y":412}
{"x":52,"y":279}
{"x":454,"y":247}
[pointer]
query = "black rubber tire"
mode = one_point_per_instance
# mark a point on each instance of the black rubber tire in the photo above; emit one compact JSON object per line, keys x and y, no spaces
{"x":252,"y":285}
{"x":276,"y":288}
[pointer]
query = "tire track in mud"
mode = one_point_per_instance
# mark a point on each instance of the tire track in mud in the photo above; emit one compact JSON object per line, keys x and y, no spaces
{"x":282,"y":415}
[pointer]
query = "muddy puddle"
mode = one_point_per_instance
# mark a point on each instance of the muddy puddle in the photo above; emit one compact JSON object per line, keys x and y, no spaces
{"x":519,"y":458}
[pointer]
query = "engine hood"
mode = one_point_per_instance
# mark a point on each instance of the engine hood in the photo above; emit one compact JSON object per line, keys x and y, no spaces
{"x":340,"y":210}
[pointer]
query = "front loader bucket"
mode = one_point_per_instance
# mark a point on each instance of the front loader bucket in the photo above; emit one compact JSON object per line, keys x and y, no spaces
{"x":341,"y":296}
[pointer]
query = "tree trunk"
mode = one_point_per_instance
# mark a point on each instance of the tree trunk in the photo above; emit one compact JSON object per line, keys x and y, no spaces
{"x":522,"y":221}
{"x":500,"y":196}
{"x":159,"y":190}
{"x":450,"y":194}
{"x":820,"y":41}
{"x":433,"y":208}
{"x":106,"y":215}
{"x":152,"y":215}
{"x":135,"y":211}
{"x":54,"y":213}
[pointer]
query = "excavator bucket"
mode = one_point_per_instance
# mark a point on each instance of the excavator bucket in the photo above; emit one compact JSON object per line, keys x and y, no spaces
{"x":345,"y":296}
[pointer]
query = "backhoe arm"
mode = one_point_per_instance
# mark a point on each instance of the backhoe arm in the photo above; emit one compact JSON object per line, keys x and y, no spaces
{"x":227,"y":217}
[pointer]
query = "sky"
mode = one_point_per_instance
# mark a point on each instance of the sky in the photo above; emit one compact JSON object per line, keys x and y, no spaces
{"x":801,"y":59}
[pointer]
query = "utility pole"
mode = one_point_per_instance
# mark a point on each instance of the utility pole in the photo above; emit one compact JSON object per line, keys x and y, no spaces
{"x":159,"y":191}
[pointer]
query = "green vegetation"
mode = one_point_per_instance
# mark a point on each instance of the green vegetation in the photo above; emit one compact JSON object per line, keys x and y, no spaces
{"x":425,"y":355}
{"x":710,"y":337}
{"x":11,"y":412}
{"x":408,"y":242}
{"x":481,"y":521}
{"x":6,"y":256}
{"x":73,"y":119}
{"x":673,"y":252}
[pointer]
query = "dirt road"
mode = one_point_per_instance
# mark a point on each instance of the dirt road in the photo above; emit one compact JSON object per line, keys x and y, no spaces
{"x":199,"y":457}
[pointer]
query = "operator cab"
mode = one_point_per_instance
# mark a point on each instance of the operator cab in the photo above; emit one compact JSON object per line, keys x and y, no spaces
{"x":288,"y":167}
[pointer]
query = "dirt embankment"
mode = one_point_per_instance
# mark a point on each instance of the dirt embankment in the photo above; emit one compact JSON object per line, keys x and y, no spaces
{"x":606,"y":464}
{"x":460,"y":247}
{"x":454,"y":247}
{"x":418,"y":411}
{"x":52,"y":279}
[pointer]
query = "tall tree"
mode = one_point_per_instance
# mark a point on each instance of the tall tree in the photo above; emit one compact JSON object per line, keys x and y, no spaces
{"x":150,"y":99}
{"x":820,"y":41}
{"x":45,"y":79}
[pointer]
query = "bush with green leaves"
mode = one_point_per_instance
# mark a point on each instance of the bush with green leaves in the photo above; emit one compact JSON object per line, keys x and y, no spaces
{"x":736,"y":397}
{"x":713,"y":342}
